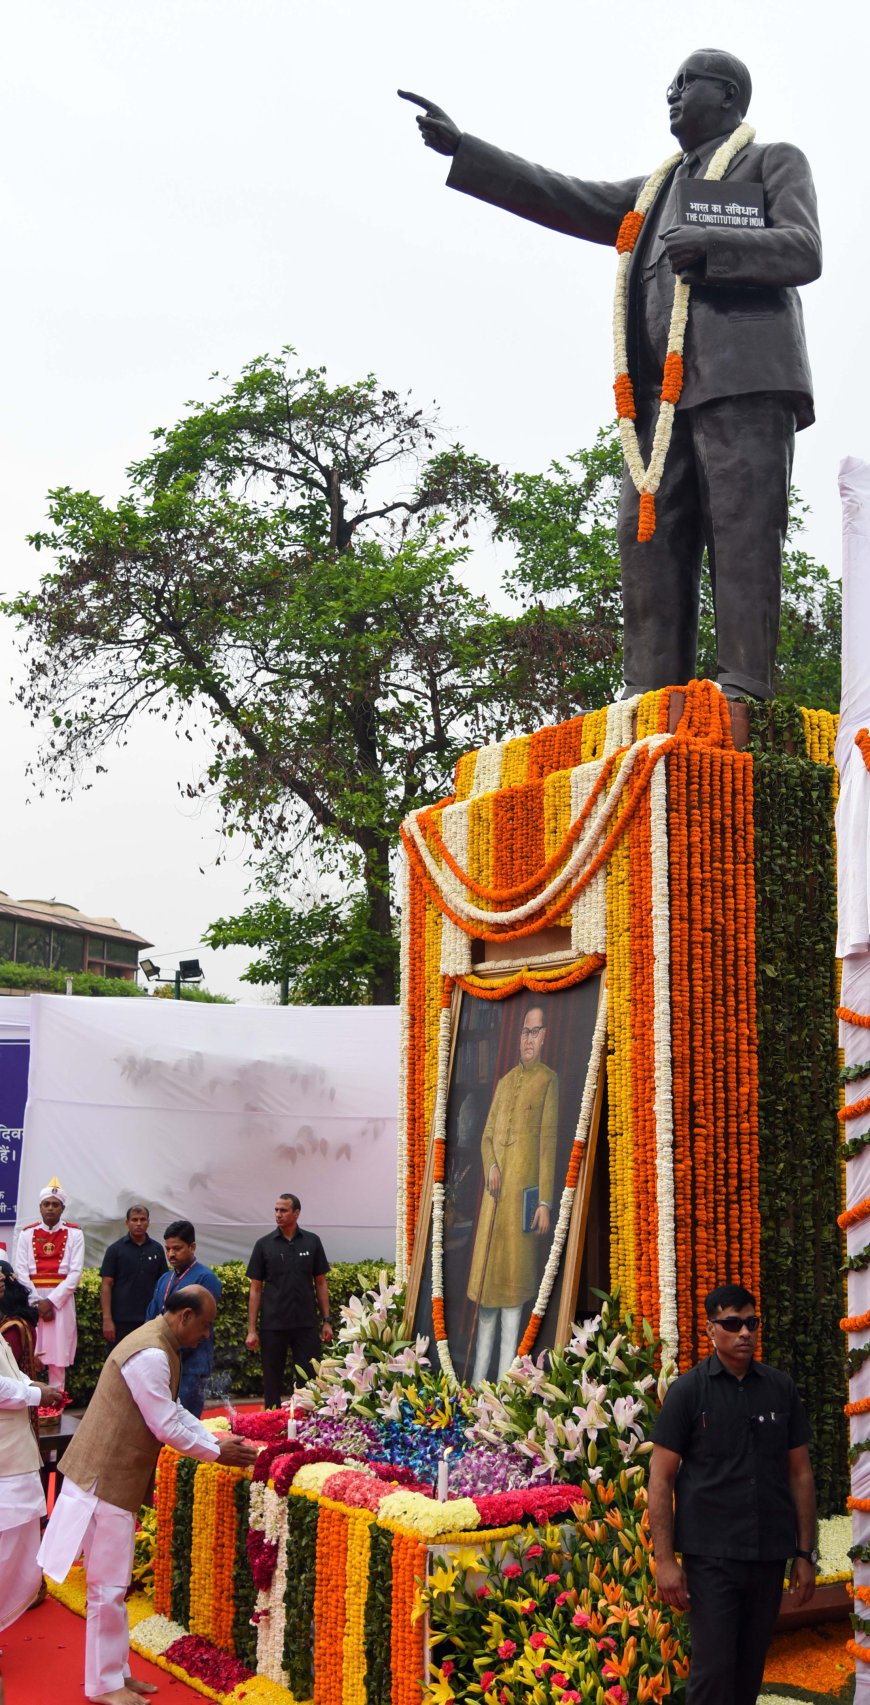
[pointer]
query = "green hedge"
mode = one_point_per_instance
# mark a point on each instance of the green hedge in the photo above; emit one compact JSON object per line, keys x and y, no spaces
{"x":38,"y":980}
{"x":346,"y":1279}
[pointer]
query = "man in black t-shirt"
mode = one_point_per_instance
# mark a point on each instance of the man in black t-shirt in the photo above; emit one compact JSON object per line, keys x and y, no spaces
{"x":130,"y":1270}
{"x":731,"y":1488}
{"x":289,"y":1298}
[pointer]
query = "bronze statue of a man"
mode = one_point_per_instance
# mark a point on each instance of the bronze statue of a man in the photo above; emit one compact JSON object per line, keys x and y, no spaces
{"x":746,"y":377}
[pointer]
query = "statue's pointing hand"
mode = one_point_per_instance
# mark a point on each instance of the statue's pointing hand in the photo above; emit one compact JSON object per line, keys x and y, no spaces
{"x":437,"y":130}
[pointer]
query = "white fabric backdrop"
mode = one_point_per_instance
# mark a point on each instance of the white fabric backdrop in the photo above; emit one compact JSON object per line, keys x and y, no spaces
{"x":207,"y":1112}
{"x":853,"y":943}
{"x":15,"y":1017}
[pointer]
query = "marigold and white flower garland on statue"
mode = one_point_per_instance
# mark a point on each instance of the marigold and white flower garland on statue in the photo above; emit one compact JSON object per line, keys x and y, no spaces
{"x":648,"y":479}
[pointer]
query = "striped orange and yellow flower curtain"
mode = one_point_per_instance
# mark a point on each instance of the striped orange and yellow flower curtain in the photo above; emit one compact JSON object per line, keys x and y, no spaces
{"x":640,"y":843}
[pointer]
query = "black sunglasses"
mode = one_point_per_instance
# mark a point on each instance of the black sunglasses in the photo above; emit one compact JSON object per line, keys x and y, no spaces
{"x":736,"y":1322}
{"x":684,"y":78}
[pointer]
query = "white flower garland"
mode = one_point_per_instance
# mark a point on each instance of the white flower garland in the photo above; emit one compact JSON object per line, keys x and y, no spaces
{"x":270,"y":1602}
{"x":648,"y":479}
{"x":620,"y":724}
{"x":663,"y":1104}
{"x":155,"y":1634}
{"x":589,"y":910}
{"x":487,"y":768}
{"x":582,"y":854}
{"x":439,"y":1132}
{"x":455,"y":942}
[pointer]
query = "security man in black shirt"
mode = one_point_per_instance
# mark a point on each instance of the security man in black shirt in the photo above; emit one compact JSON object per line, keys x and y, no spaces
{"x":731,"y":1488}
{"x":289,"y":1297}
{"x":130,"y":1270}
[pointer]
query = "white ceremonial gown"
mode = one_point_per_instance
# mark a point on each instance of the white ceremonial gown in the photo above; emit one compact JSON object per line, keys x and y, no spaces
{"x":21,"y":1503}
{"x":82,"y":1522}
{"x":56,"y":1339}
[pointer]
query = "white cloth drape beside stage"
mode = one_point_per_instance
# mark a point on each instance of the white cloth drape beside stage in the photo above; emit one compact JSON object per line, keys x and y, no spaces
{"x":207,"y":1112}
{"x":853,"y":945}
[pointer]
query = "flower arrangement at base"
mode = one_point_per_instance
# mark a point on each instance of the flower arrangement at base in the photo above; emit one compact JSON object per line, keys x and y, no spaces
{"x":559,"y":1612}
{"x":593,"y":1406}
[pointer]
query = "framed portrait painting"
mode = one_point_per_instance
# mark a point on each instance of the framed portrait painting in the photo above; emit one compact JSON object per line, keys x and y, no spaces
{"x":518,"y":1071}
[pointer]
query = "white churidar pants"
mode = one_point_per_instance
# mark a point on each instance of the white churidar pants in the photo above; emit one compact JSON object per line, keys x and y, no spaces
{"x":20,"y":1574}
{"x":21,"y":1505}
{"x":107,"y":1535}
{"x":510,"y":1337}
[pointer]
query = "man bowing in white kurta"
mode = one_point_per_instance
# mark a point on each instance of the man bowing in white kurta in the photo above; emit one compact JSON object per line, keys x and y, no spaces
{"x":49,"y":1258}
{"x":109,"y":1472}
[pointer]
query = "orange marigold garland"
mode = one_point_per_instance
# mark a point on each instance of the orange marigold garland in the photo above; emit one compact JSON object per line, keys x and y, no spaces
{"x":330,"y":1612}
{"x":678,"y":768}
{"x":745,"y":923}
{"x":854,"y":1215}
{"x":409,"y":1569}
{"x":164,"y":1500}
{"x":849,"y":1017}
{"x":643,"y":1066}
{"x":854,"y":1109}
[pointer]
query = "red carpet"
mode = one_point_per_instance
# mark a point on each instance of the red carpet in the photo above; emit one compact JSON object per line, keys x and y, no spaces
{"x":43,"y":1661}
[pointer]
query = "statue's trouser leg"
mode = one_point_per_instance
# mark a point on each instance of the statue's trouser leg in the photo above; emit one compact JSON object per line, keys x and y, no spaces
{"x":660,"y":579}
{"x":744,"y":448}
{"x":725,"y":484}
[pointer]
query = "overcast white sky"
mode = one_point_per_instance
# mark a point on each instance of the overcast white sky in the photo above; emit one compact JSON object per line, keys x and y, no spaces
{"x":190,"y":183}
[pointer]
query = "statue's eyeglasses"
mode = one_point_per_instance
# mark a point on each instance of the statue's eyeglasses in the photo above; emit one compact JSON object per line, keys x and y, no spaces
{"x":684,"y":78}
{"x":533,"y":1032}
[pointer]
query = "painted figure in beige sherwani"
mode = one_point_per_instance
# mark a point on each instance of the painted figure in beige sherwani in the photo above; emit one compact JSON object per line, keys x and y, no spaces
{"x":518,"y":1149}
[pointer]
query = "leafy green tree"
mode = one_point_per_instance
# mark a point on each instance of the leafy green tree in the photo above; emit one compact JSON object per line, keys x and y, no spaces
{"x":280,"y":573}
{"x":320,"y":954}
{"x":563,"y":649}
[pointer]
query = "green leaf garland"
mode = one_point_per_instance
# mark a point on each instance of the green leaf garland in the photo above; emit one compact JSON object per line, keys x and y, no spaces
{"x":799,"y":1136}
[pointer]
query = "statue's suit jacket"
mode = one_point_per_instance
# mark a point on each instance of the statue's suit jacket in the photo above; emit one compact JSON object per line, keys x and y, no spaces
{"x":745,"y":330}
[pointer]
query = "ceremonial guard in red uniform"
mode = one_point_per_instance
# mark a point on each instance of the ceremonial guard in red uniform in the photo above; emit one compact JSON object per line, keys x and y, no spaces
{"x":49,"y":1261}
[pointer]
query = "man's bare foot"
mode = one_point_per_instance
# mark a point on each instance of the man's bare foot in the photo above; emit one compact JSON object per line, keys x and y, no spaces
{"x":118,"y":1696}
{"x":40,"y":1597}
{"x":137,"y":1686}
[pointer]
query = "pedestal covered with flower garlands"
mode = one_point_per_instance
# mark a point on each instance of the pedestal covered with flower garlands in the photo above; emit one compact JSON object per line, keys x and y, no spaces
{"x":687,"y":847}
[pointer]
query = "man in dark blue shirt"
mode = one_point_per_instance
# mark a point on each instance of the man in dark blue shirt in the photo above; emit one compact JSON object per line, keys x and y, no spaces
{"x":179,"y":1240}
{"x":288,"y":1304}
{"x":130,"y":1270}
{"x":731,"y":1488}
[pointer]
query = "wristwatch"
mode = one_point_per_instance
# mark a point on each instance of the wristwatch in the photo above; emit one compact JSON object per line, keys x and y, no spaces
{"x":811,"y":1556}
